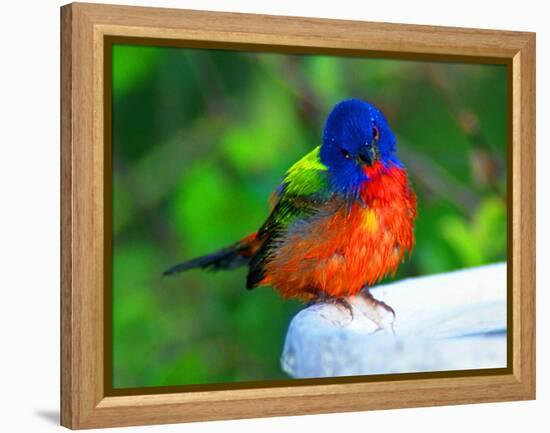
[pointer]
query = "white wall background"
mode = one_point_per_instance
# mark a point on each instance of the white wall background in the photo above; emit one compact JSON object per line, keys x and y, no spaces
{"x":29,"y":220}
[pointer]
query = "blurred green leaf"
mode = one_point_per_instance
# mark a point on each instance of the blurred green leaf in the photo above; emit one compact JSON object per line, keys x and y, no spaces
{"x":481,"y":240}
{"x":131,"y":63}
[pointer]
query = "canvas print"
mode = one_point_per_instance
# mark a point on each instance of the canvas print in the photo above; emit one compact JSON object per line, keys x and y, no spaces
{"x":287,"y":216}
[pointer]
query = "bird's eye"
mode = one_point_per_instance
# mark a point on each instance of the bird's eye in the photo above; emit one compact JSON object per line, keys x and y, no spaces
{"x":375,"y":133}
{"x":345,"y":153}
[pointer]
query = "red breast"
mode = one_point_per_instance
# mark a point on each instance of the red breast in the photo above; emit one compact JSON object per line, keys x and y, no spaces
{"x":340,"y":254}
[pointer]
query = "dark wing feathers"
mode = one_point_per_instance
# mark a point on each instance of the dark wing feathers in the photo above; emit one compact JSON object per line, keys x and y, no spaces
{"x":287,"y":209}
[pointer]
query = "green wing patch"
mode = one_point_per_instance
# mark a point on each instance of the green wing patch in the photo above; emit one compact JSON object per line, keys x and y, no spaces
{"x":307,"y":176}
{"x":300,"y":195}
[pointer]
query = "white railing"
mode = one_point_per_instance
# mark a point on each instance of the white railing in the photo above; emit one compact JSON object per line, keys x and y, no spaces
{"x":450,"y":321}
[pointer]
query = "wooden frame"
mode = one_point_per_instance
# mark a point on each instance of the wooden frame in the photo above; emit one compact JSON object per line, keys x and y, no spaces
{"x":84,"y":182}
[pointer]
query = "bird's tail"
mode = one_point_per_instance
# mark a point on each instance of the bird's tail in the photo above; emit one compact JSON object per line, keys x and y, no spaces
{"x":231,"y":257}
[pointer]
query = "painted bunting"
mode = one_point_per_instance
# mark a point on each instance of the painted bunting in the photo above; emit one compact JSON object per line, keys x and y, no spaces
{"x":341,"y":219}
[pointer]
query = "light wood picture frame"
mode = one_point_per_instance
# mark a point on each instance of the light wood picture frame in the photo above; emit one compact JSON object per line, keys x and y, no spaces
{"x":87,"y":30}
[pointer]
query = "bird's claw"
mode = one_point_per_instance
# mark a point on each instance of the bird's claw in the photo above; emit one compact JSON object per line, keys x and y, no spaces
{"x":342,"y":302}
{"x":338,"y":302}
{"x":379,"y":312}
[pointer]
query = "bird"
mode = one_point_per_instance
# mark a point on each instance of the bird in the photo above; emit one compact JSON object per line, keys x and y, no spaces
{"x":341,"y":219}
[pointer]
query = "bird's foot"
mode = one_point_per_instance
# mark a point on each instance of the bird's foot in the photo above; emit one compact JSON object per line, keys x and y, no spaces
{"x":377,"y":311}
{"x":342,"y":303}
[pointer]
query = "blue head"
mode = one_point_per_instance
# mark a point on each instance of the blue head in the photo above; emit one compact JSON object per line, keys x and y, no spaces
{"x":356,"y":136}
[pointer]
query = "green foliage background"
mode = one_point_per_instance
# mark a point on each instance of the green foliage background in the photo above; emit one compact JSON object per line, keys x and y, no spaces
{"x":200,"y":140}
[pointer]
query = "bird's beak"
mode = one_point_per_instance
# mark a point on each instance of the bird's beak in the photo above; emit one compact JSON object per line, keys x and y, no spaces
{"x":368,"y":153}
